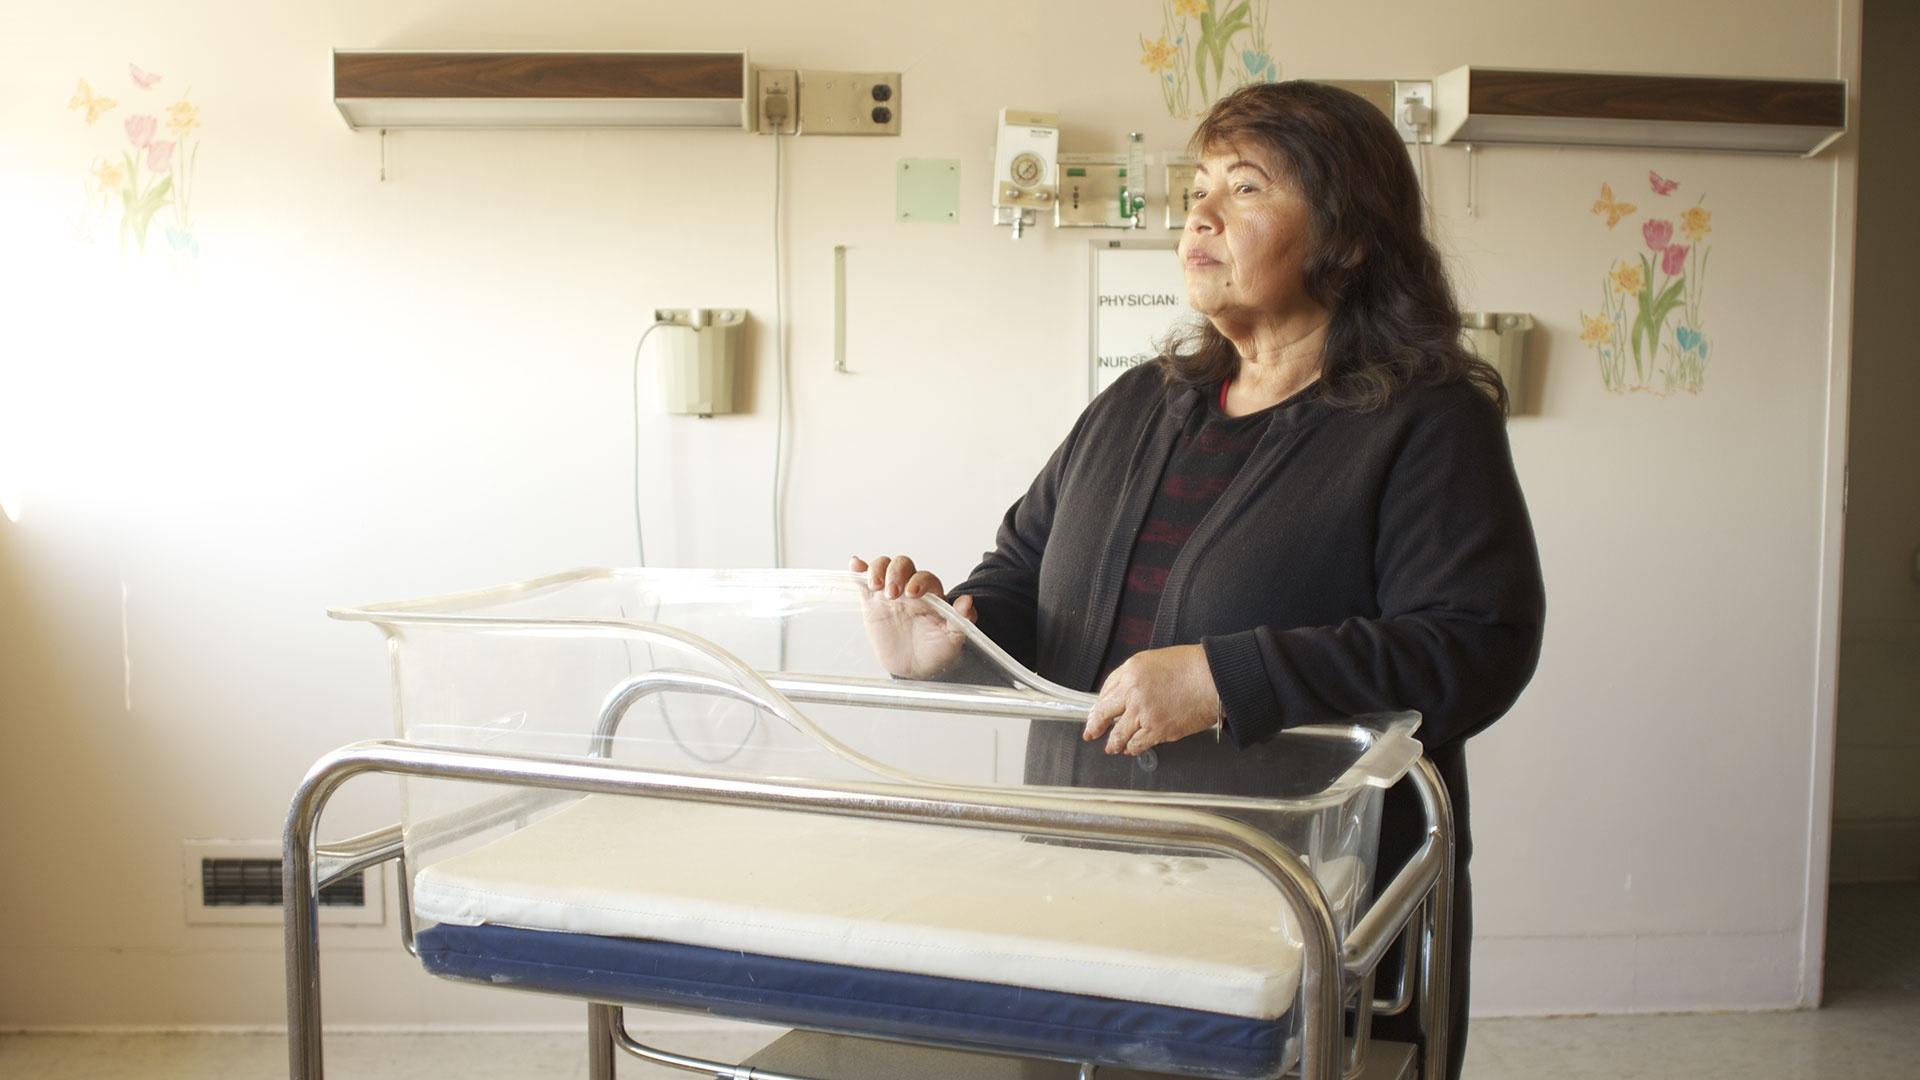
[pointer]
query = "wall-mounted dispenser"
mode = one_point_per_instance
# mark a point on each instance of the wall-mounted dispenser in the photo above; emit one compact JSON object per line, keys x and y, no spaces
{"x":1499,"y":338}
{"x":699,"y":357}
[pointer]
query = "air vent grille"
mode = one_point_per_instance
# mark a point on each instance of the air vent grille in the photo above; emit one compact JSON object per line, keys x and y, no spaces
{"x":237,"y":882}
{"x":256,"y":883}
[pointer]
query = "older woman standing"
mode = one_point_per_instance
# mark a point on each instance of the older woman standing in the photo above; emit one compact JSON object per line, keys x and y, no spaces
{"x":1305,"y":511}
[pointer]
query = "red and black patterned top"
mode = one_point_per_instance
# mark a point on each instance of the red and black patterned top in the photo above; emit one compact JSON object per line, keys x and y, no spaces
{"x":1209,"y":453}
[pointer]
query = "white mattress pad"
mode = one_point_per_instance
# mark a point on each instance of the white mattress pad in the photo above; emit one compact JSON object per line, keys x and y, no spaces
{"x":1189,"y":932}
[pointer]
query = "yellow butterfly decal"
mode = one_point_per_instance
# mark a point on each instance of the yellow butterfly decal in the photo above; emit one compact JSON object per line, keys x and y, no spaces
{"x":1605,"y":204}
{"x":95,"y":104}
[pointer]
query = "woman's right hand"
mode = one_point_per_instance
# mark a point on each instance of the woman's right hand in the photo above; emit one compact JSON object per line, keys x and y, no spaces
{"x":911,"y":638}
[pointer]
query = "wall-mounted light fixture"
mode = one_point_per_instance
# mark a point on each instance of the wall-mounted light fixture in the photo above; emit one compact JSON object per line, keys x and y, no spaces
{"x":418,"y":89}
{"x":1476,"y":105}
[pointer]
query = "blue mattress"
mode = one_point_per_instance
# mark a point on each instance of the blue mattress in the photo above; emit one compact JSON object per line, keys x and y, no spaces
{"x":798,"y":993}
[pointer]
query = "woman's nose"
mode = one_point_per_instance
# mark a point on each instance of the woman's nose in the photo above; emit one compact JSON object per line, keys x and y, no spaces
{"x":1201,"y":218}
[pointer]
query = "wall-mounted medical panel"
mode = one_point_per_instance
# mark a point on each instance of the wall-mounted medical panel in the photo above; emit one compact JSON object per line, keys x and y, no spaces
{"x":1025,"y":167}
{"x":1179,"y":173}
{"x":1498,"y":105}
{"x":392,"y":89}
{"x":1090,"y":189}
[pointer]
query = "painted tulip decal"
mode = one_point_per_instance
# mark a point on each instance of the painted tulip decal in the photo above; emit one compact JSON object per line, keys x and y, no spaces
{"x":1649,"y":335}
{"x":1690,"y":340}
{"x":140,"y":130}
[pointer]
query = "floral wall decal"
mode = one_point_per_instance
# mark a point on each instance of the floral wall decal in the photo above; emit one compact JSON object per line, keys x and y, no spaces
{"x":1207,"y":48}
{"x":146,"y":178}
{"x":1650,"y":334}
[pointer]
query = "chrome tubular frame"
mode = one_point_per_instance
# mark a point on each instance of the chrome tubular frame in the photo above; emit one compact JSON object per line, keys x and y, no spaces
{"x":1406,"y":976}
{"x":1437,"y":951}
{"x":1427,"y":873}
{"x":613,"y":1017}
{"x":1424,"y":884}
{"x":348,"y":857}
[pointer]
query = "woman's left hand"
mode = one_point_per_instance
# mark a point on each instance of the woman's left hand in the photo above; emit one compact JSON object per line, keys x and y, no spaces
{"x":1157,"y":696}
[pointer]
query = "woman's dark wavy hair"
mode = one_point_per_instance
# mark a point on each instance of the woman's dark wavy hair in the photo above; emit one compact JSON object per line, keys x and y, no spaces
{"x":1395,"y":321}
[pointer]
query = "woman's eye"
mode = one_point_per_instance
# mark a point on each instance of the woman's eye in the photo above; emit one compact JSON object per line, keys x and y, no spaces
{"x":1199,"y":194}
{"x":1243,"y":188}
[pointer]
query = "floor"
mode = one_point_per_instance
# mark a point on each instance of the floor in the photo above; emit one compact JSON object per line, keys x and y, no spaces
{"x":1869,"y":1030}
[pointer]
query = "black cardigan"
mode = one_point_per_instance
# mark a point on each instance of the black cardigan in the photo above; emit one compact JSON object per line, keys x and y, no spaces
{"x":1360,"y":562}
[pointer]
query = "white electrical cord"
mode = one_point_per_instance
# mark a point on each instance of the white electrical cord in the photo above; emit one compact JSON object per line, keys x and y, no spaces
{"x":780,"y":390}
{"x":780,"y":387}
{"x":779,"y":436}
{"x":639,"y":536}
{"x":660,"y":700}
{"x":1426,"y":173}
{"x":1417,"y":115}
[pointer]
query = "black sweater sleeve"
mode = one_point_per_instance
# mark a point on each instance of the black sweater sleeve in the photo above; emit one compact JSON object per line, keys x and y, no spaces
{"x":1459,"y":593}
{"x":1006,"y":585}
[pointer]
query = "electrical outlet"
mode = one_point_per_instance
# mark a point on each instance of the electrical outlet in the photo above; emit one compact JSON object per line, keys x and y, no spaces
{"x":849,"y":102}
{"x":776,"y":102}
{"x":1413,"y":111}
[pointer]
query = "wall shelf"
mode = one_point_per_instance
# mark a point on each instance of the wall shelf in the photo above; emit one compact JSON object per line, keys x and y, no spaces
{"x":426,"y":89}
{"x":1504,"y":105}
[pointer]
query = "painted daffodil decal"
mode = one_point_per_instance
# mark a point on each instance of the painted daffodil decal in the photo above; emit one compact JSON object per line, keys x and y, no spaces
{"x":1205,"y":49}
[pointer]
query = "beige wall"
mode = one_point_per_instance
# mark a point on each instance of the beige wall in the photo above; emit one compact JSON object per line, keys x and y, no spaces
{"x":365,"y":390}
{"x":1877,"y":764}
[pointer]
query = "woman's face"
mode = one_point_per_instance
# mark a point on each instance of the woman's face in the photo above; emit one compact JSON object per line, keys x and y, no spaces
{"x":1245,"y":246}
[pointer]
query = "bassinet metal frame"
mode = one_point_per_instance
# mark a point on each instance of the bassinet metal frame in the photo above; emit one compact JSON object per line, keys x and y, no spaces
{"x":1417,"y":902}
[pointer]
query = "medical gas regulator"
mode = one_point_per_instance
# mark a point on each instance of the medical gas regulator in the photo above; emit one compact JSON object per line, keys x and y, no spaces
{"x":1096,"y":191}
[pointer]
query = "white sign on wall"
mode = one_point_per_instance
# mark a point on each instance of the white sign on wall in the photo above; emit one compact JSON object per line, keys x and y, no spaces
{"x":1139,"y":295}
